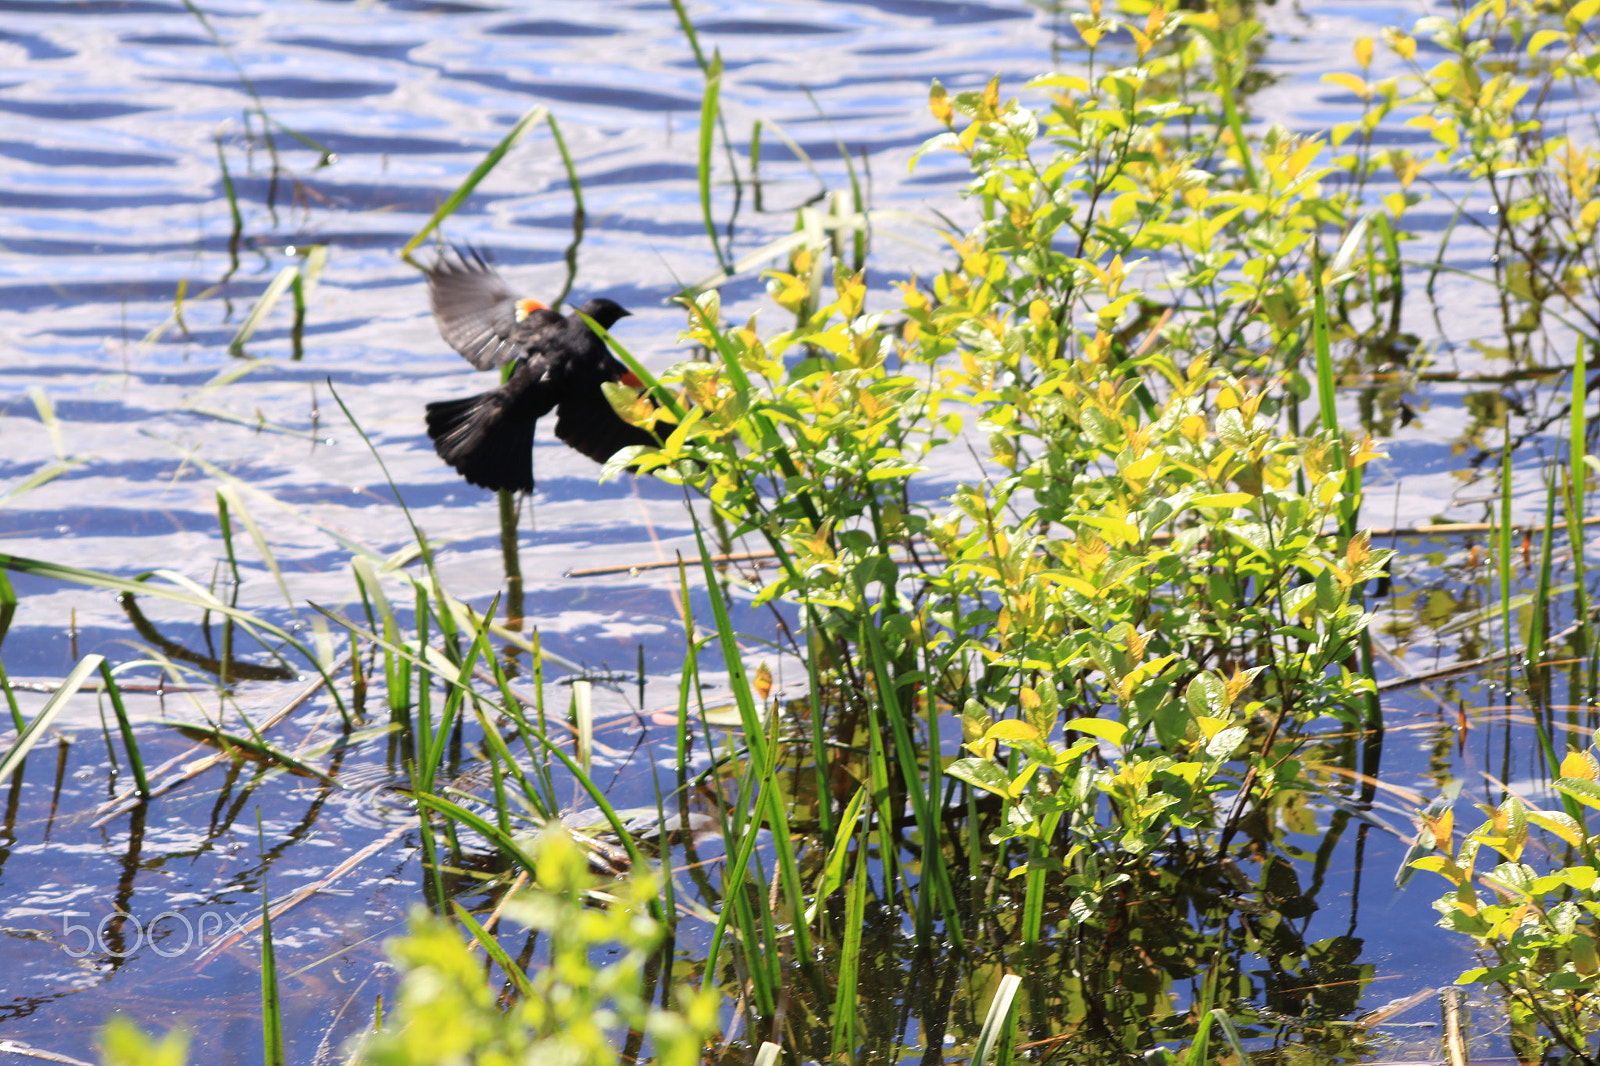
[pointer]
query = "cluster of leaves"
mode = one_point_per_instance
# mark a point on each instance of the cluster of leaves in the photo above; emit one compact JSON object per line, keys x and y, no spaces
{"x":1493,"y":106}
{"x":1135,"y":601}
{"x":1539,"y":930}
{"x":570,"y":1010}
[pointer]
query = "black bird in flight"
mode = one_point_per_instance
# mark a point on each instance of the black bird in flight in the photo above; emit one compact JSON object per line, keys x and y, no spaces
{"x":558,"y":362}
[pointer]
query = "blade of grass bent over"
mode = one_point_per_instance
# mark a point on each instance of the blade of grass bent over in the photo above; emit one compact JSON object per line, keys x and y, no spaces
{"x":248,"y":520}
{"x":579,"y":215}
{"x":48,"y":419}
{"x":194,"y":597}
{"x":263,"y":306}
{"x":479,"y":172}
{"x":53,"y":707}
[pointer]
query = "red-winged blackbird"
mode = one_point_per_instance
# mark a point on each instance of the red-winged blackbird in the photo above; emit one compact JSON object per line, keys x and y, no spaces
{"x":559,"y":363}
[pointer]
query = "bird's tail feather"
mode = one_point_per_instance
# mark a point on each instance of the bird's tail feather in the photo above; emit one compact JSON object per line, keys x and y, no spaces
{"x":485,"y":446}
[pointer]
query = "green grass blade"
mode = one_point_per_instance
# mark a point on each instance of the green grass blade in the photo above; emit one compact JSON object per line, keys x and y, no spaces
{"x":579,"y":215}
{"x":1503,"y":544}
{"x":755,"y":162}
{"x":255,"y":751}
{"x":272,"y":1046}
{"x":799,"y":153}
{"x":236,"y":506}
{"x":833,"y":868}
{"x":129,"y":742}
{"x":994,"y":1023}
{"x":479,"y":172}
{"x":1577,"y":479}
{"x":1200,"y":1047}
{"x":47,"y":714}
{"x":504,"y":842}
{"x":8,"y":605}
{"x":269,"y":299}
{"x":688,"y":31}
{"x":48,"y":419}
{"x":1322,"y":347}
{"x":935,"y":878}
{"x":583,"y":718}
{"x":232,"y":196}
{"x":1230,"y":1034}
{"x":1227,"y":81}
{"x":658,"y":392}
{"x":844,"y":1000}
{"x":763,"y":754}
{"x":492,"y":948}
{"x":42,"y":476}
{"x":11,"y":701}
{"x":708,"y":130}
{"x":188,"y":593}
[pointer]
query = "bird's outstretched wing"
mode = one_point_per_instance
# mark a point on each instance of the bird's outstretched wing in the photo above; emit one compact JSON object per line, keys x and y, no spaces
{"x":477,"y":313}
{"x":586,"y":422}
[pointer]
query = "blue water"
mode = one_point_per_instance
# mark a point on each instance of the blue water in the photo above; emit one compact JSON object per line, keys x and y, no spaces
{"x":112,"y":118}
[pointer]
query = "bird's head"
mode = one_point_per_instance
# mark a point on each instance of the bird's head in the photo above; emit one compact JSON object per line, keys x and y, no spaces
{"x":604,"y":311}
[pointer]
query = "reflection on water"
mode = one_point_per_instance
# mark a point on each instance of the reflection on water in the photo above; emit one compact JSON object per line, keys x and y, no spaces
{"x":157,"y":178}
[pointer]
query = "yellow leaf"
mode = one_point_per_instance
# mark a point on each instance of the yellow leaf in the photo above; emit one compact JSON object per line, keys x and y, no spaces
{"x":1011,"y":731}
{"x":1349,"y":81}
{"x":1142,"y":468}
{"x":939,"y":103}
{"x":991,"y":97}
{"x":1104,"y":728}
{"x":1363,"y":51}
{"x":1222,"y":499}
{"x":1089,"y":28}
{"x":1542,"y":40}
{"x":1440,"y":865}
{"x":1155,"y":20}
{"x":1576,"y":764}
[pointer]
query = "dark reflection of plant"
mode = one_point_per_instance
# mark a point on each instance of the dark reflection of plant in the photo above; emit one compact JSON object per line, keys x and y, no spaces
{"x":223,"y":668}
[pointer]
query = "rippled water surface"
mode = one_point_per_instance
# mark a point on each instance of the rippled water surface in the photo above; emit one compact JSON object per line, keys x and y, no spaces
{"x":116,"y":120}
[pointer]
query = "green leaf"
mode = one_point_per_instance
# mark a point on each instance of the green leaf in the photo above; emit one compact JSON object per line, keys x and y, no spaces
{"x":981,"y":773}
{"x":1581,"y":789}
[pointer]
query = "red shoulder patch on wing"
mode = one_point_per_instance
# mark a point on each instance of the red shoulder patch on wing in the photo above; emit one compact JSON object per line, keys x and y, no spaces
{"x":526,"y":307}
{"x":630,"y":379}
